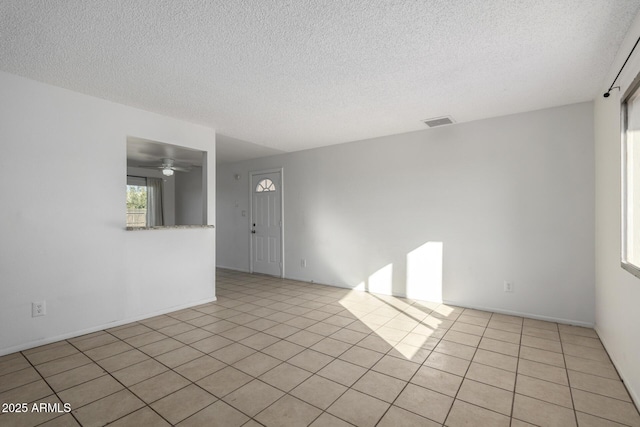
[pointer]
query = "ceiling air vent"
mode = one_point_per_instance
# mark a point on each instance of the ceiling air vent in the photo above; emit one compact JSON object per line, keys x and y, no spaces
{"x":438,"y":121}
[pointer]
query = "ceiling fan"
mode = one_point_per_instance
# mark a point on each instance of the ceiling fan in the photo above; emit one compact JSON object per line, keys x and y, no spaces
{"x":168,"y":167}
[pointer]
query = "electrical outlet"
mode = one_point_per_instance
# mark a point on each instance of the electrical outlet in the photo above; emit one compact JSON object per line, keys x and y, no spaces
{"x":38,"y":308}
{"x":303,"y":262}
{"x":508,"y":286}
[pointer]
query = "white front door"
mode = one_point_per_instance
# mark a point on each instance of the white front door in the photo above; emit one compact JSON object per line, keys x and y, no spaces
{"x":266,"y":223}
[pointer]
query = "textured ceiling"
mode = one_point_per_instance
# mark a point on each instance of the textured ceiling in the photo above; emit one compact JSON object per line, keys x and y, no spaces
{"x":142,"y":152}
{"x":230,"y":150}
{"x":291,"y":75}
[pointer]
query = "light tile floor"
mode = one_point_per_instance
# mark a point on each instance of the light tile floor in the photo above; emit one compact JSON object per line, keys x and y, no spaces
{"x":284,"y":353}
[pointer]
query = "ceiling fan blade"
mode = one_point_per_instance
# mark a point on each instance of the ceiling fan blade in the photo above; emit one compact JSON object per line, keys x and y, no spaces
{"x":167,"y":164}
{"x":181,"y":169}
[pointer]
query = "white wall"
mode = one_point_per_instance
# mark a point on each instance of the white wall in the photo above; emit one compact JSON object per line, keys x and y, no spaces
{"x":62,"y":221}
{"x":617,"y":291}
{"x":188,"y":197}
{"x":509,"y":198}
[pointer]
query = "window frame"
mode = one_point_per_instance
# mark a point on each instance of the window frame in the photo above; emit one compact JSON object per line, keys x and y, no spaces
{"x":137,"y":181}
{"x":633,"y":90}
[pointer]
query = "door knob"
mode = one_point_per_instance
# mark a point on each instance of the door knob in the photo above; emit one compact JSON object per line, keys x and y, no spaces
{"x":253,"y":231}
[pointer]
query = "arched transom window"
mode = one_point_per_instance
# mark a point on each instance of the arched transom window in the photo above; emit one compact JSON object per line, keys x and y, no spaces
{"x":265,"y":185}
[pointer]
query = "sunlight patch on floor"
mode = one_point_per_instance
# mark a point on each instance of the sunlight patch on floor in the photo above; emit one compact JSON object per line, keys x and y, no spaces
{"x":408,"y":326}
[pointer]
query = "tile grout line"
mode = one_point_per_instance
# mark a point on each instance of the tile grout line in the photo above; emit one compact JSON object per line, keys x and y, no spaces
{"x":153,"y":358}
{"x":125,"y":388}
{"x":430,"y":351}
{"x":575,"y":411}
{"x":466,"y":372}
{"x":334,"y":358}
{"x":316,"y":373}
{"x":282,"y":362}
{"x":51,"y":388}
{"x":283,"y":289}
{"x":515,"y":383}
{"x":566,"y":371}
{"x":231,"y":365}
{"x":356,"y":344}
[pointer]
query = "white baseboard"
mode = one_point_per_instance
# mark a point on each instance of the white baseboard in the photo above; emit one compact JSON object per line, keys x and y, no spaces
{"x":523,"y":314}
{"x":241,"y":270}
{"x":49,"y":340}
{"x":632,"y":392}
{"x":458,"y":304}
{"x":298,"y":279}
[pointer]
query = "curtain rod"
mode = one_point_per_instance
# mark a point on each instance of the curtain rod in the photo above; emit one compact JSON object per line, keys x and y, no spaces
{"x":608,"y":92}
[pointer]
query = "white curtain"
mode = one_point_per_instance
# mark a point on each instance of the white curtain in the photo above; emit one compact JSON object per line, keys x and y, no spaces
{"x":154,"y":202}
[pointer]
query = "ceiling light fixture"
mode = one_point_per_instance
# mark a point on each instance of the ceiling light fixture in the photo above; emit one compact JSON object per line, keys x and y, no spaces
{"x":168,"y":167}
